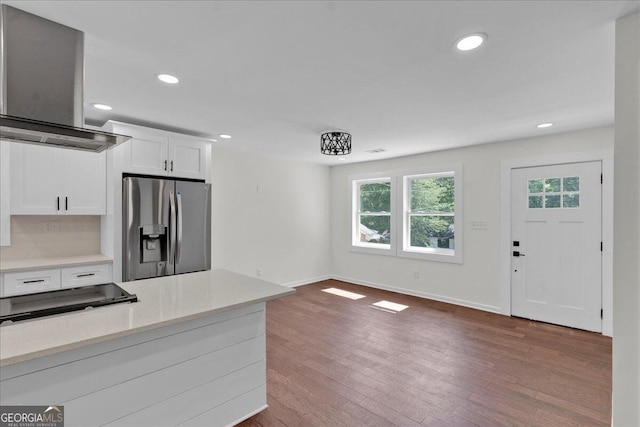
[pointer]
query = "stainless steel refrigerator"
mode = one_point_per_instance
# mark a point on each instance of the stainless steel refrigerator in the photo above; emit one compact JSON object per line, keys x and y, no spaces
{"x":166,"y":227}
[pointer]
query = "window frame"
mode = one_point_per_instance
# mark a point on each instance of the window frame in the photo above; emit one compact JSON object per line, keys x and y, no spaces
{"x":432,"y":254}
{"x":354,"y":235}
{"x":399,"y":215}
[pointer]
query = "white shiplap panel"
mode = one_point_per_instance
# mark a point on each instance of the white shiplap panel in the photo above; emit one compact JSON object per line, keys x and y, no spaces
{"x":231,"y":412}
{"x":142,"y":392}
{"x":198,"y":400}
{"x":73,"y":380}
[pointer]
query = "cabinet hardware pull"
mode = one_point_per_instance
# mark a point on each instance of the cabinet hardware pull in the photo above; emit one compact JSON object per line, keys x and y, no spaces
{"x":171,"y":165}
{"x":66,"y":203}
{"x":33,"y":281}
{"x":58,"y":202}
{"x":86,"y":275}
{"x":165,"y":165}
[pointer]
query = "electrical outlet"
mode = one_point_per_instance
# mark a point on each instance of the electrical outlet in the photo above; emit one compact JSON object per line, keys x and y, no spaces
{"x":416,"y":274}
{"x":51,"y":226}
{"x":259,"y":272}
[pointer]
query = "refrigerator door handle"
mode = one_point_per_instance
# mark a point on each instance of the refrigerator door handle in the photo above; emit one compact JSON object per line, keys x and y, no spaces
{"x":172,"y":227}
{"x":179,"y":217}
{"x":128,"y":196}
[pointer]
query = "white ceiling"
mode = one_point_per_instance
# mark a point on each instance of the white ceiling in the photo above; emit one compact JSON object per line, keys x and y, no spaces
{"x":276,"y":74}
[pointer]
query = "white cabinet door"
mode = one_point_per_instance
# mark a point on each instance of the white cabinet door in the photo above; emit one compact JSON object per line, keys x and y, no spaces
{"x":36,"y":184}
{"x":148,"y":156}
{"x":51,"y":181}
{"x":83,"y":183}
{"x":187,"y":158}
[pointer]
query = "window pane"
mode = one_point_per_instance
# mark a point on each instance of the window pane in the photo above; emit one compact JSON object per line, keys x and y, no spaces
{"x":552,"y":185}
{"x":536,"y":186}
{"x":432,"y":231}
{"x":535,"y":202}
{"x":571,"y":183}
{"x":432,"y":194}
{"x":375,"y":229}
{"x":571,"y":200}
{"x":552,"y":201}
{"x":375,"y":197}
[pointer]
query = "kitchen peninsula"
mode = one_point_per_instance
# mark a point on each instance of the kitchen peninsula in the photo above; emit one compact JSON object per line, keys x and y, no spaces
{"x":191,"y":351}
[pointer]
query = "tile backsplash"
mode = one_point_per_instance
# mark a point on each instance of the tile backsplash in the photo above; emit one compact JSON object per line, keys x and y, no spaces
{"x":44,"y":236}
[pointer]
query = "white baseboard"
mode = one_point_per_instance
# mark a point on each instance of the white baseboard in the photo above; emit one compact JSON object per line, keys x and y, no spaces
{"x":306,"y":281}
{"x":427,"y":295}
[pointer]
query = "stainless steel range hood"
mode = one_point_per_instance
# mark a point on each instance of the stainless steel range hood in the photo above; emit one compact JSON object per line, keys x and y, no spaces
{"x":41,"y":99}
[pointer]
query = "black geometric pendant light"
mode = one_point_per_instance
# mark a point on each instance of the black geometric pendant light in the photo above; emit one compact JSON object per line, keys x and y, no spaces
{"x":335,"y":143}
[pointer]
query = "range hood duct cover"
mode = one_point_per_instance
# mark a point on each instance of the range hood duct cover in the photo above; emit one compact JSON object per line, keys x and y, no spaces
{"x":41,"y":99}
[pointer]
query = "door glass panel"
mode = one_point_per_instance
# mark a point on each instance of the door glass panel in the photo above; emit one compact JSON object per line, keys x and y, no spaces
{"x":571,"y":183}
{"x":535,"y":202}
{"x":571,"y":200}
{"x":554,"y":192}
{"x":552,"y":185}
{"x":552,"y":201}
{"x":536,"y":186}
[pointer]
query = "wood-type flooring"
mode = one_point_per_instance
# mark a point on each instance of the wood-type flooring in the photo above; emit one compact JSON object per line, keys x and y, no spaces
{"x":332,"y":361}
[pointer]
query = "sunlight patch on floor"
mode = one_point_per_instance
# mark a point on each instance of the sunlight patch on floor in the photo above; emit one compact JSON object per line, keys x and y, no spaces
{"x":394,"y":307}
{"x":343,"y":293}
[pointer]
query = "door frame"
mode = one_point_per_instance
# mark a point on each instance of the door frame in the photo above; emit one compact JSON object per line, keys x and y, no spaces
{"x":604,"y":156}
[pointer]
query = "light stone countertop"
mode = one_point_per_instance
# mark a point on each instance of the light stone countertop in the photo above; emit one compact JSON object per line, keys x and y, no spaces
{"x":161,"y":302}
{"x":11,"y":266}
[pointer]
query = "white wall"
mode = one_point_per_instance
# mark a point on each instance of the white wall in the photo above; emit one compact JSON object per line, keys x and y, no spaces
{"x":626,"y":276}
{"x":476,"y":282}
{"x":270,"y":214}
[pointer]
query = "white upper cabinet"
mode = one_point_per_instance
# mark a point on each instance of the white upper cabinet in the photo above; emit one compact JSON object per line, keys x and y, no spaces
{"x":187,"y":158}
{"x":160,"y":153}
{"x":148,"y":156}
{"x":51,"y":181}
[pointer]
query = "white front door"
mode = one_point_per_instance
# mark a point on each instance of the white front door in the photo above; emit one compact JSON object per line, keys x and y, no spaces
{"x":556,"y":252}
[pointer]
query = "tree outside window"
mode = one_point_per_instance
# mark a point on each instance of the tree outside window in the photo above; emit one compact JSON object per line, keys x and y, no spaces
{"x":430,"y":220}
{"x":374,"y":212}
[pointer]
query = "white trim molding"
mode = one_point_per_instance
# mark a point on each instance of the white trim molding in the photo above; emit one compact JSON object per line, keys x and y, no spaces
{"x":427,"y":295}
{"x":604,"y":156}
{"x":303,"y":282}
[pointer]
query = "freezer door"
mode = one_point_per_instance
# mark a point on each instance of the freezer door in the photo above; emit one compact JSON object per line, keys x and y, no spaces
{"x":147,"y":232}
{"x":193,"y":228}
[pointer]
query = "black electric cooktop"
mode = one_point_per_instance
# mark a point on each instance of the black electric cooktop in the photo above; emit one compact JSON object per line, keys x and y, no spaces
{"x":22,"y":307}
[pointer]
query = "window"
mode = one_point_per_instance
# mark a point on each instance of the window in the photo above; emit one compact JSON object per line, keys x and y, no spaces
{"x":429,"y":212}
{"x":549,"y":193}
{"x":429,"y":216}
{"x":372,"y":207}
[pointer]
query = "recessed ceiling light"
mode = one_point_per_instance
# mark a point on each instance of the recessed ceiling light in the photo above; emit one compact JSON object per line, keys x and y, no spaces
{"x":544,"y":125}
{"x":168,"y":78}
{"x":470,"y":41}
{"x":342,"y":159}
{"x":102,"y":107}
{"x":224,"y":136}
{"x":213,"y":140}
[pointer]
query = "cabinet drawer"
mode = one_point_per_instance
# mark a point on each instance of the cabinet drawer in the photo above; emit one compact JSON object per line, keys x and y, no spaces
{"x":73,"y":277}
{"x":31,"y":281}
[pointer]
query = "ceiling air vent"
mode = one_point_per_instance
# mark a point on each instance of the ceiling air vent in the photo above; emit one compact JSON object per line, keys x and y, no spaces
{"x":375,"y":151}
